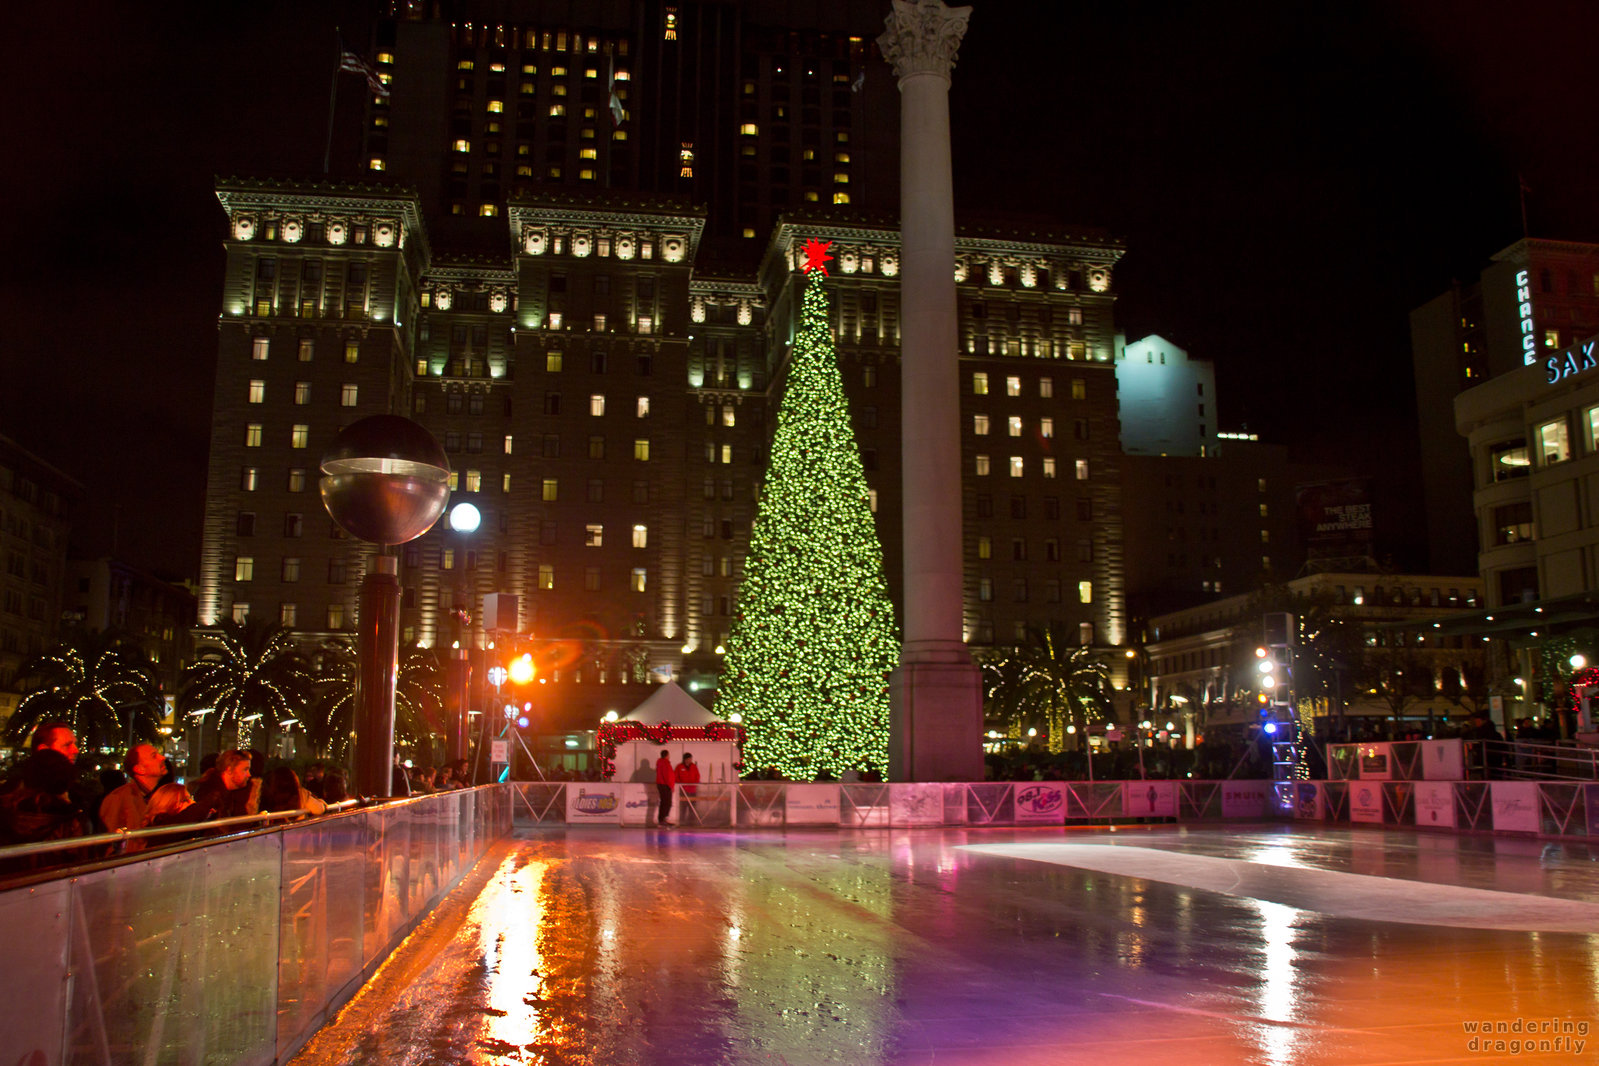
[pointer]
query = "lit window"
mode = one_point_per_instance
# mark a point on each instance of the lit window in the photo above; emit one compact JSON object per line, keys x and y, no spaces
{"x":871,"y":500}
{"x":644,"y":407}
{"x":474,"y":481}
{"x":646,"y":324}
{"x":979,"y":383}
{"x":287,"y":614}
{"x":557,"y":111}
{"x":1085,"y":592}
{"x":640,"y":578}
{"x":244,"y":568}
{"x":749,"y":129}
{"x":508,"y":441}
{"x":505,"y":482}
{"x":641,"y":536}
{"x":454,"y":480}
{"x":1016,"y":466}
{"x":252,"y":435}
{"x":985,"y":548}
{"x":297,"y":479}
{"x":599,"y":323}
{"x":1046,"y":427}
{"x":727,"y":453}
{"x":347,"y":395}
{"x":980,"y":425}
{"x":241,"y":612}
{"x":249,"y":477}
{"x":462,"y":146}
{"x":488,"y":210}
{"x":1082,"y":470}
{"x":291,"y":570}
{"x":597,"y":404}
{"x":258,"y":391}
{"x":728,"y":415}
{"x":1046,"y":387}
{"x":641,"y":450}
{"x":1015,"y":423}
{"x":982,"y":466}
{"x":376,"y":163}
{"x":546,"y":576}
{"x":841,"y":197}
{"x":594,"y":536}
{"x":300,"y":436}
{"x":447,"y":559}
{"x":552,"y":489}
{"x":1013,"y":386}
{"x":1263,"y":510}
{"x":352,"y":351}
{"x":552,"y":362}
{"x":258,"y":347}
{"x":335,"y":616}
{"x":1049,"y":466}
{"x":1551,"y":338}
{"x":1554,"y":445}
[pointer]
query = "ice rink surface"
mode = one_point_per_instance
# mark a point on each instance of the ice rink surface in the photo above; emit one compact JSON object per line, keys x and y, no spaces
{"x":949,"y":947}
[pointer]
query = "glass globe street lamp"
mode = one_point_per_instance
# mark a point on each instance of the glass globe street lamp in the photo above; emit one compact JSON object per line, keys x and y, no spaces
{"x":385,"y":480}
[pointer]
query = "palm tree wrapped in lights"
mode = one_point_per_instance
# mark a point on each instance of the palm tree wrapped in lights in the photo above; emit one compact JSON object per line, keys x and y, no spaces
{"x":1045,"y":681}
{"x":100,"y":683}
{"x":418,"y":698}
{"x":251,"y":672}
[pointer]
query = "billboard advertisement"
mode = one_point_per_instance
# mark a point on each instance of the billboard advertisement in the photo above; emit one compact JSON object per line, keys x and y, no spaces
{"x":1041,"y":801}
{"x":1335,"y":518}
{"x":1435,"y":804}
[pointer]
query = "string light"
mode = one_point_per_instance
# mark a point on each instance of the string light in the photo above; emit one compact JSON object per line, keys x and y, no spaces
{"x":814,"y":639}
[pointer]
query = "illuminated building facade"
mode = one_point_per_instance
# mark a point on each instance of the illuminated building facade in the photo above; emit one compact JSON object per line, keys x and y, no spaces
{"x":1534,"y":299}
{"x":36,"y":508}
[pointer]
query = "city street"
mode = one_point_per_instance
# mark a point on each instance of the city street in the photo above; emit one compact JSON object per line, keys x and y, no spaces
{"x":1254,"y":944}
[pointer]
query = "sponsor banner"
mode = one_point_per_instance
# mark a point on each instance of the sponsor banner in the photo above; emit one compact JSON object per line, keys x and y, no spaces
{"x":1040,"y":801}
{"x":1435,"y":803}
{"x":1310,"y":802}
{"x":593,"y":802}
{"x":1149,"y":799}
{"x":1365,"y":802}
{"x":1245,"y":799}
{"x":1373,"y":762}
{"x":638,"y":803}
{"x":1443,"y":760}
{"x":812,"y":805}
{"x":1515,"y":806}
{"x":923,"y":804}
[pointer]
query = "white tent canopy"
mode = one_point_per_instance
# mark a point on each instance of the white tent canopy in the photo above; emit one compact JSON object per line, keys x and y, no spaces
{"x":669,"y":703}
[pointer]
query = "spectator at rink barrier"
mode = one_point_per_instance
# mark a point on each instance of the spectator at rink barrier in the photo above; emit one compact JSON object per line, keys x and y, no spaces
{"x":688,"y":774}
{"x":224,"y":790}
{"x":126,"y":807}
{"x":312,"y":781}
{"x":334,"y":787}
{"x":36,"y":802}
{"x":281,"y":791}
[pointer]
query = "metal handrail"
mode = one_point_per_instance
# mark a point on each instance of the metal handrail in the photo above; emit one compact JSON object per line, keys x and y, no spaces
{"x":123,"y":835}
{"x":1521,"y":760}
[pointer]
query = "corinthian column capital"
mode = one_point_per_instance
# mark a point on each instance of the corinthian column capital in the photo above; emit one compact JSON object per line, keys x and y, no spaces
{"x":922,"y":37}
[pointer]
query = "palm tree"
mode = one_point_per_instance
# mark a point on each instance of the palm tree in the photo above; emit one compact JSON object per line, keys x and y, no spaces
{"x":99,"y":682}
{"x":418,"y":698}
{"x":252,"y":672}
{"x":1046,"y":680}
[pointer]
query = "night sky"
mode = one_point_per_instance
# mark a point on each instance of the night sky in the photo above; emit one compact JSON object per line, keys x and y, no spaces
{"x":1290,"y":180}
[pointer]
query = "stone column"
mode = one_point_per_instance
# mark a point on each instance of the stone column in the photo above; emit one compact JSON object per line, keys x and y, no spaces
{"x":936,"y":719}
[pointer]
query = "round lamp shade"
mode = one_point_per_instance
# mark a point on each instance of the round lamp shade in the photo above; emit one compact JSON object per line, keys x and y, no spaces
{"x":385,"y":480}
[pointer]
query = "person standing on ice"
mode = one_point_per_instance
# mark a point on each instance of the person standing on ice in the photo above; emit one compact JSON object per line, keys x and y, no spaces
{"x":665,"y":778}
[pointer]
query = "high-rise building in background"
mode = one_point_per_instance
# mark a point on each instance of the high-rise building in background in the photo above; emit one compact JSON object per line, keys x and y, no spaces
{"x":37,"y":504}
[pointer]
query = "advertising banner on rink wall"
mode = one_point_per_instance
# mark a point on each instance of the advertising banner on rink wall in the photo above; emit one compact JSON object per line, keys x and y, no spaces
{"x":1443,"y":760}
{"x":812,"y":805}
{"x":1149,"y":799}
{"x":593,"y":802}
{"x":1310,"y":803}
{"x":1365,"y":802}
{"x":1374,"y":762}
{"x":639,"y":803}
{"x":1515,"y":806}
{"x":1245,"y":799}
{"x":1040,"y":801}
{"x":1435,"y":803}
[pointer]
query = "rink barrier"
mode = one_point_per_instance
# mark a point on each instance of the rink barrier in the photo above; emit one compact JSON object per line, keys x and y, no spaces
{"x":863,"y":805}
{"x":233,"y":949}
{"x":1519,"y":807}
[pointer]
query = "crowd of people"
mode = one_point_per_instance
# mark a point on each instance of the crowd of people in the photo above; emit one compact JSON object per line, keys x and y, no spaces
{"x":47,"y":797}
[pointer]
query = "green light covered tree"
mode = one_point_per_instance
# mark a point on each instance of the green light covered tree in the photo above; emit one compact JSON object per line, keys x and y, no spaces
{"x":814,"y":640}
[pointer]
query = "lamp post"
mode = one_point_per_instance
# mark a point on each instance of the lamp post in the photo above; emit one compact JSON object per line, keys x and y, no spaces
{"x":385,"y":480}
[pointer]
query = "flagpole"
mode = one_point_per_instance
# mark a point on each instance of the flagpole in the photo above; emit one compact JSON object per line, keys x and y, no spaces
{"x":333,"y":100}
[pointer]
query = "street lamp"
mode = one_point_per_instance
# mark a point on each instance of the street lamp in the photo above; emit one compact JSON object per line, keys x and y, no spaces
{"x":385,"y":480}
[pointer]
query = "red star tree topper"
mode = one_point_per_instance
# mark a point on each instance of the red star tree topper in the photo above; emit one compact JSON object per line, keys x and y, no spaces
{"x":816,"y":255}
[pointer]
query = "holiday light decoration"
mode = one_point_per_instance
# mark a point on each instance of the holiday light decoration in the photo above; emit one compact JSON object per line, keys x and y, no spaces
{"x":613,"y":735}
{"x":814,"y":639}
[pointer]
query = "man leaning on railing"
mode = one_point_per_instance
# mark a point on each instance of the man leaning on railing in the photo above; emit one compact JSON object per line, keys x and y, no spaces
{"x":38,"y":802}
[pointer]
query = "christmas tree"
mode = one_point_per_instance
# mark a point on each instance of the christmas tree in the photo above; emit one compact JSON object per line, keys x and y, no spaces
{"x":814,"y":641}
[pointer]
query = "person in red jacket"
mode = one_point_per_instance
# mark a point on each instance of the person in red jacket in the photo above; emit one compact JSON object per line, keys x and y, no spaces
{"x":665,"y":778}
{"x":688,"y":774}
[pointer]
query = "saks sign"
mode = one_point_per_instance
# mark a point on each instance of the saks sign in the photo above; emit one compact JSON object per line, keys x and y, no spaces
{"x":1573,"y":360}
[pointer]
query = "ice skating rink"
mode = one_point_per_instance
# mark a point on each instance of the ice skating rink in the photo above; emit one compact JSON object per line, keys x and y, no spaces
{"x":1003,"y":947}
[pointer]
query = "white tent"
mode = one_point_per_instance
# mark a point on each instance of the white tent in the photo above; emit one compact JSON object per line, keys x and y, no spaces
{"x":688,"y":718}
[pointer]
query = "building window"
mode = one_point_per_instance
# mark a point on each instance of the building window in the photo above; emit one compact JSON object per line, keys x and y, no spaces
{"x":1014,"y":423}
{"x":1554,"y":444}
{"x":591,"y":579}
{"x":347,"y":395}
{"x":300,"y":436}
{"x":985,"y":548}
{"x":727,"y":453}
{"x":243,"y":526}
{"x":551,"y":489}
{"x":729,"y":415}
{"x":291,"y":571}
{"x":248,"y":478}
{"x":1513,"y":523}
{"x":552,"y":362}
{"x":594,"y":535}
{"x":979,"y":383}
{"x":597,"y":404}
{"x":1013,"y":386}
{"x":1046,"y":387}
{"x":302,"y":393}
{"x":1048,"y":466}
{"x":297,"y":479}
{"x":252,"y":435}
{"x":306,"y":350}
{"x":1016,"y":466}
{"x":641,"y":450}
{"x":982,"y":466}
{"x":259,"y":347}
{"x":596,"y":447}
{"x":335,"y":616}
{"x":643,"y":408}
{"x":640,"y":579}
{"x":985,"y":589}
{"x":257,"y":391}
{"x":546,"y":576}
{"x":244,"y":568}
{"x":1085,"y":592}
{"x":474,"y":481}
{"x":1046,"y":427}
{"x":641,"y":536}
{"x":1082,"y":470}
{"x":869,"y":376}
{"x":596,"y":490}
{"x":1079,"y":389}
{"x":241,"y":612}
{"x":352,"y":351}
{"x":293,"y":525}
